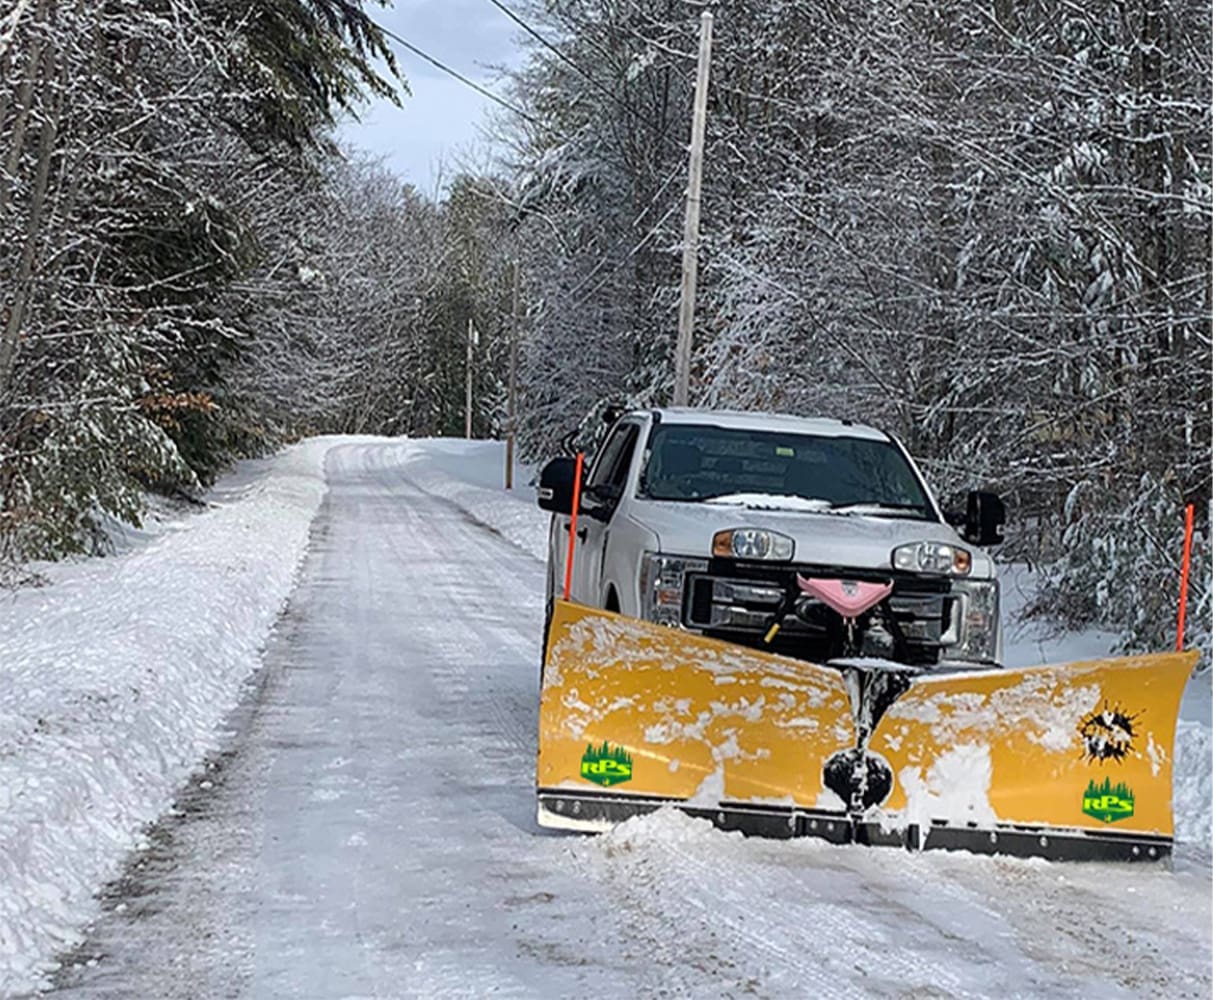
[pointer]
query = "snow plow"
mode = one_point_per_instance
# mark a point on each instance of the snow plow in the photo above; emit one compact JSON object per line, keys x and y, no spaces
{"x":1066,"y":761}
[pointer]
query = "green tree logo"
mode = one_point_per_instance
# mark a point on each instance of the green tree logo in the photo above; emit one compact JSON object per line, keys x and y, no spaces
{"x":606,"y":765}
{"x":1108,"y":802}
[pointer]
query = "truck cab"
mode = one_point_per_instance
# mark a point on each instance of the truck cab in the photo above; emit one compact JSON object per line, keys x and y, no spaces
{"x":814,"y":538}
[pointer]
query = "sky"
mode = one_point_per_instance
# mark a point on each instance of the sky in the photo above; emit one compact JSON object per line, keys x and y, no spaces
{"x":439,"y":120}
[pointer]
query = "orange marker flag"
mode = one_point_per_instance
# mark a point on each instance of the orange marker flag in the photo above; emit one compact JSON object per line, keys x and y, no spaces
{"x":568,"y":565}
{"x":1189,"y":518}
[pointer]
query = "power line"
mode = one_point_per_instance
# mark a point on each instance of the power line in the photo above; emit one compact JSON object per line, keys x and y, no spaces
{"x":509,"y":106}
{"x":620,"y":263}
{"x":484,"y":91}
{"x":576,"y":67}
{"x":606,"y":255}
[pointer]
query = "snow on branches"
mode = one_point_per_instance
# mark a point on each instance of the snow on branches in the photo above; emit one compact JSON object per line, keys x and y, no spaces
{"x":983,"y":227}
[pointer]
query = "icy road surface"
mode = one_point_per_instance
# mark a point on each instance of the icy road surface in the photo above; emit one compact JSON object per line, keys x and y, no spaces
{"x":370,"y":831}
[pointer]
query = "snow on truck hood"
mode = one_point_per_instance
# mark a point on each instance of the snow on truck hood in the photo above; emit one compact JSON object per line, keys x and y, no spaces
{"x":858,"y":540}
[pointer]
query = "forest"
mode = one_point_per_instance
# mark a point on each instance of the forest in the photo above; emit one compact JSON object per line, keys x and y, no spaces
{"x":983,"y":227}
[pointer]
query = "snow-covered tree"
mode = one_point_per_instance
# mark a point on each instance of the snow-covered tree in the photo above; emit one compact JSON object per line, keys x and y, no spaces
{"x":985,"y":228}
{"x":138,"y":142}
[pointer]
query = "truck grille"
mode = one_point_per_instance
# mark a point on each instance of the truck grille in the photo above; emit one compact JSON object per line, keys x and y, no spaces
{"x":737,"y":601}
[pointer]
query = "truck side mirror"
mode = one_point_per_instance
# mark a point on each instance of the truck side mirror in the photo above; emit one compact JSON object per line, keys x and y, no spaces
{"x":984,"y":519}
{"x":556,"y":485}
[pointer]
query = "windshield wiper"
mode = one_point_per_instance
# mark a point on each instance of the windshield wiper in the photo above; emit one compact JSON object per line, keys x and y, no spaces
{"x":769,"y":501}
{"x":877,"y":507}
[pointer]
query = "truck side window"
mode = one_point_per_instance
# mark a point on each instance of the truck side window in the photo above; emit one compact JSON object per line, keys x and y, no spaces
{"x":612,"y":468}
{"x":606,"y":458}
{"x":619,"y":475}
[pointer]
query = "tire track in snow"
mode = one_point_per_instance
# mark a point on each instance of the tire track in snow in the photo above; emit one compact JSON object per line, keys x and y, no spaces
{"x":511,"y":709}
{"x":831,"y":920}
{"x":1088,"y":920}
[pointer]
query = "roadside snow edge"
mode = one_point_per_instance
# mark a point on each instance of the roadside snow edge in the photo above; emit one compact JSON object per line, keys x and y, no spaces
{"x":113,"y":685}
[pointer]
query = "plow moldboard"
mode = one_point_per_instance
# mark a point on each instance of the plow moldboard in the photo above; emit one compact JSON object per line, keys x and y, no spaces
{"x":1083,"y":746}
{"x":1069,"y":760}
{"x":695,"y":716}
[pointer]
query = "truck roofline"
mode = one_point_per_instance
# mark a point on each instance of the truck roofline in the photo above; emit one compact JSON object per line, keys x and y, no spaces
{"x":757,"y":420}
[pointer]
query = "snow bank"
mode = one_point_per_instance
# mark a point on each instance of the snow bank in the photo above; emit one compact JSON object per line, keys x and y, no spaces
{"x":1193,"y":784}
{"x":470,"y":474}
{"x":113,"y":684}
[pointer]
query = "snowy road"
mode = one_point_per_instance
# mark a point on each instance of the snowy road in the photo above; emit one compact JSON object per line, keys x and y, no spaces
{"x":370,"y":832}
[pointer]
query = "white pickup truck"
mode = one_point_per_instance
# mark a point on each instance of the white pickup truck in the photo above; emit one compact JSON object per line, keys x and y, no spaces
{"x":813,"y":538}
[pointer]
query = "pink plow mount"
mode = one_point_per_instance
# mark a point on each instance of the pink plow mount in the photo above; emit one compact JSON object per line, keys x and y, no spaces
{"x":850,"y":598}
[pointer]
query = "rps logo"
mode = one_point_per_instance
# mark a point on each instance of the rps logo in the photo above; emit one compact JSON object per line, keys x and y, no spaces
{"x":1108,"y":802}
{"x":606,"y":765}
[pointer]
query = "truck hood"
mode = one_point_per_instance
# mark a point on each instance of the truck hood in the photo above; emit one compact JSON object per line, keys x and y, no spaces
{"x":861,"y":541}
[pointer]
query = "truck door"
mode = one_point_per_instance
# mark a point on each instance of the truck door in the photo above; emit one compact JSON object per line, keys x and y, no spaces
{"x":603,"y":490}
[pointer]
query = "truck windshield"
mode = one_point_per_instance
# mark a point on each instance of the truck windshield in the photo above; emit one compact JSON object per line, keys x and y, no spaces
{"x":691,"y":462}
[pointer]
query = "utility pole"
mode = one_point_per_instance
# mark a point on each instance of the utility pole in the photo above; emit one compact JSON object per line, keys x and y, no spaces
{"x":472,"y":341}
{"x":690,"y":240}
{"x":512,"y":415}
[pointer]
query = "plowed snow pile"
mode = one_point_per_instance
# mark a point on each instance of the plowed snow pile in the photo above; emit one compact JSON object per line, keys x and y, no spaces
{"x":1193,"y":790}
{"x":113,"y":684}
{"x":470,"y":476}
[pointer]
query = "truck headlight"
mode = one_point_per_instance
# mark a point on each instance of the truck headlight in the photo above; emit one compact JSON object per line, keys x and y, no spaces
{"x":662,"y":582}
{"x":753,"y":543}
{"x":932,"y":557}
{"x":978,"y":640}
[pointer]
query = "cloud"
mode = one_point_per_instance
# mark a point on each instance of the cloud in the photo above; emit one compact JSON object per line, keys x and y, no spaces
{"x":439,"y":119}
{"x":422,"y":139}
{"x":465,"y":34}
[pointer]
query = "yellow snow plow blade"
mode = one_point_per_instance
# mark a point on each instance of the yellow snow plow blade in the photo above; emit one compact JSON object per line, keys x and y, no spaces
{"x":1064,"y":761}
{"x":1076,"y":746}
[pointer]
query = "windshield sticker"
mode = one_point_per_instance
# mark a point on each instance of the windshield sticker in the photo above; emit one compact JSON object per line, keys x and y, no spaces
{"x":783,"y":452}
{"x":1108,"y":803}
{"x":1107,"y":734}
{"x":606,"y":765}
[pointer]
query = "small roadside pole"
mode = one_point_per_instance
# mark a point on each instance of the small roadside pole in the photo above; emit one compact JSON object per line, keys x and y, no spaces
{"x":473,"y":340}
{"x":512,"y":406}
{"x":690,"y":240}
